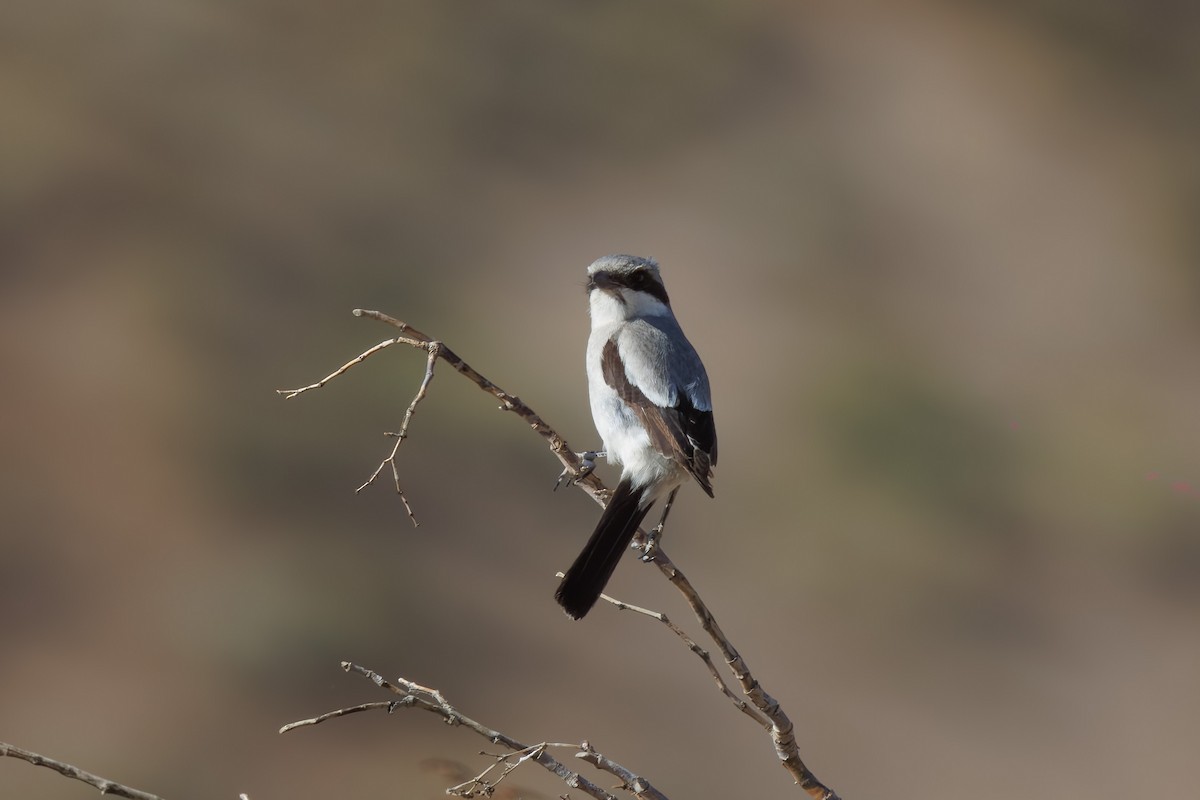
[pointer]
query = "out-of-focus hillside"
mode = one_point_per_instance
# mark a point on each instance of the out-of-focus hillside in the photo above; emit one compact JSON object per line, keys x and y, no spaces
{"x":941,"y":261}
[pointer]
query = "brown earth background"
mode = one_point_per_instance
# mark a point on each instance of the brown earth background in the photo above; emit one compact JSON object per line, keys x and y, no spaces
{"x":941,"y":260}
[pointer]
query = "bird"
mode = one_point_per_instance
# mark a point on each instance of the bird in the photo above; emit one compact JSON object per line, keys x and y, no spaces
{"x":652,"y":407}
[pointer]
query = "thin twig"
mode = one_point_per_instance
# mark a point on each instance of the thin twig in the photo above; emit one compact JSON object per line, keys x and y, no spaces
{"x":288,"y":394}
{"x":413,"y":695}
{"x":782,"y":730}
{"x":434,"y":349}
{"x":341,"y":712}
{"x":690,"y":643}
{"x":481,"y":785}
{"x":422,"y":343}
{"x":508,"y":402}
{"x":103,"y":784}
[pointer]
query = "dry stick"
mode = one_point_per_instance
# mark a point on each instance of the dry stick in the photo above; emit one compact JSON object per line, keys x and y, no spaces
{"x":413,"y":695}
{"x":691,"y":644}
{"x":508,"y":402}
{"x":414,"y":338}
{"x":288,"y":394}
{"x":639,"y":786}
{"x":781,"y":728}
{"x":479,"y":784}
{"x":782,"y":731}
{"x":341,"y":712}
{"x":434,"y":351}
{"x":103,"y":784}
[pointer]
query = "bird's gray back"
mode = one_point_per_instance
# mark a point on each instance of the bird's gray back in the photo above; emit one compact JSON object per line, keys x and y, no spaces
{"x":662,"y":362}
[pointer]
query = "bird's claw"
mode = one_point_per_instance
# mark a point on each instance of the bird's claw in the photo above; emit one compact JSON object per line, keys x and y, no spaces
{"x":587,"y":463}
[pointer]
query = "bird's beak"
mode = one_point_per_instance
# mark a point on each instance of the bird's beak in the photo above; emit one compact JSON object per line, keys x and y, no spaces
{"x":601,"y":280}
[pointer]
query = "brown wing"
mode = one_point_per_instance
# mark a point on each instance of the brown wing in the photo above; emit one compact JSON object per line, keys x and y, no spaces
{"x":683,"y":432}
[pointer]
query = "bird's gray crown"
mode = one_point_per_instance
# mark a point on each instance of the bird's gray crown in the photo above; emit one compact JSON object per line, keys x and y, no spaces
{"x":623,"y":264}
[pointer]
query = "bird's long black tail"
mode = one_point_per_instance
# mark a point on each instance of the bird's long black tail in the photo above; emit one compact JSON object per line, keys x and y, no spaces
{"x":585,"y":580}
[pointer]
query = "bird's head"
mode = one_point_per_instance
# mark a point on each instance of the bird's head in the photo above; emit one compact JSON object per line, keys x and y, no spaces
{"x":627,"y":287}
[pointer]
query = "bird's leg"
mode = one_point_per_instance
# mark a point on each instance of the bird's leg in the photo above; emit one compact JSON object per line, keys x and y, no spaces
{"x":650,"y":546}
{"x":588,"y":457}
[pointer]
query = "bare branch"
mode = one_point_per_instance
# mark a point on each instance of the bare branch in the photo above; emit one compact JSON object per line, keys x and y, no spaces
{"x":103,"y":784}
{"x":391,"y":459}
{"x":780,"y":726}
{"x":510,"y":761}
{"x":341,"y":712}
{"x":558,"y":445}
{"x":434,"y":349}
{"x":782,"y":731}
{"x":413,"y":695}
{"x":739,"y":703}
{"x":637,"y":785}
{"x":288,"y":394}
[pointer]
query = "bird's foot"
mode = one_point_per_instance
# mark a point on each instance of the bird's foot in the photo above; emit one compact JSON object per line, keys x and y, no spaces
{"x":588,"y":459}
{"x":650,"y":543}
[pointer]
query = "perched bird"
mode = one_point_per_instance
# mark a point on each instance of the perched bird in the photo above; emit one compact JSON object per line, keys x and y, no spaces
{"x":651,"y":405}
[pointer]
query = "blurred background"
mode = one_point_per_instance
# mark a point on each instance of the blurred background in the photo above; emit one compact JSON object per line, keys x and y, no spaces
{"x":941,"y":260}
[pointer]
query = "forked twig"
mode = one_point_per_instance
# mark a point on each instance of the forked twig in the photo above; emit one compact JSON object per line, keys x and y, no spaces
{"x":418,"y":340}
{"x":413,"y":695}
{"x":480,"y":784}
{"x":435,"y":349}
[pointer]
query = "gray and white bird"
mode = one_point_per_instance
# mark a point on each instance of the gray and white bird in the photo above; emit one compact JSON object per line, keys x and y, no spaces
{"x":652,"y":407}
